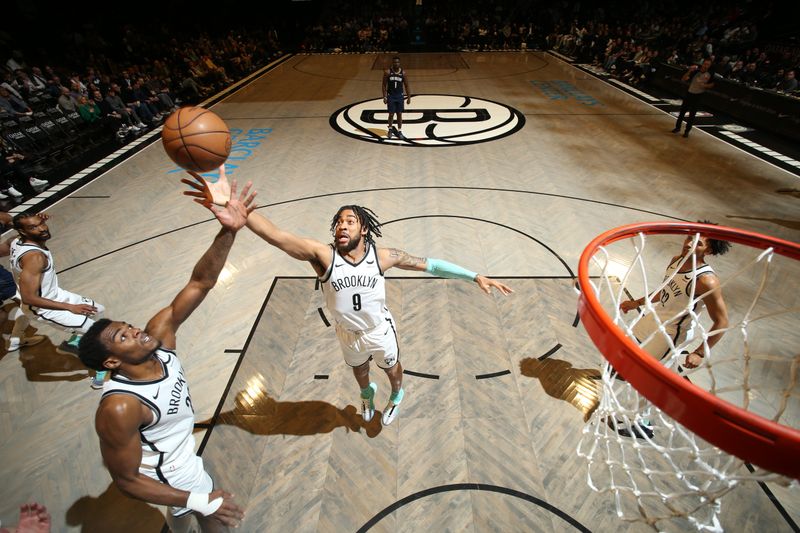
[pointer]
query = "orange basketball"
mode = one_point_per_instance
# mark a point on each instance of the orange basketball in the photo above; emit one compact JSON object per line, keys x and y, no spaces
{"x":196,"y":139}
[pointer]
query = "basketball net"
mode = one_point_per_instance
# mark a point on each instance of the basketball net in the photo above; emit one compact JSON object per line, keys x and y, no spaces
{"x":656,"y":469}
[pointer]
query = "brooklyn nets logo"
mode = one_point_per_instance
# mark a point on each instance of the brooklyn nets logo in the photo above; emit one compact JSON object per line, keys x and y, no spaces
{"x":430,"y":120}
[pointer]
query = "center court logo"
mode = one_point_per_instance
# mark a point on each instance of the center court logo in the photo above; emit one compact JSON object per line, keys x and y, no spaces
{"x":430,"y":120}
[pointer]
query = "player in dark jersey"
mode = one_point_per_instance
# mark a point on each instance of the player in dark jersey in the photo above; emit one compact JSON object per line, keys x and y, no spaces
{"x":394,"y":83}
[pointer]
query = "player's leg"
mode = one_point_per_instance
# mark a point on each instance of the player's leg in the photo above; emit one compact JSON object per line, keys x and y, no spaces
{"x":390,"y":108}
{"x":387,"y":356}
{"x":690,"y":120}
{"x":368,"y":390}
{"x":681,"y":114}
{"x":357,"y":357}
{"x":399,"y":110}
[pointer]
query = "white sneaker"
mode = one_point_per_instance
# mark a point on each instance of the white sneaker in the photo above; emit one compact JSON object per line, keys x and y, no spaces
{"x":38,"y":184}
{"x":141,"y":125}
{"x":368,"y":404}
{"x":14,"y":192}
{"x":3,"y":196}
{"x":392,"y":408}
{"x":15,"y":343}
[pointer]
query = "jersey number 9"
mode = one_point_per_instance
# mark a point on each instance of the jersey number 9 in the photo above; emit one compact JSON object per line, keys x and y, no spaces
{"x":356,"y":302}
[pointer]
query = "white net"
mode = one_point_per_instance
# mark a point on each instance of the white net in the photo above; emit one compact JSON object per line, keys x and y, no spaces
{"x":658,"y":471}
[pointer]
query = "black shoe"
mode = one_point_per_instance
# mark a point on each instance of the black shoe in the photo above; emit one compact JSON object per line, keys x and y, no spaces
{"x":640,"y":430}
{"x":686,"y":134}
{"x":400,"y":135}
{"x":677,"y":130}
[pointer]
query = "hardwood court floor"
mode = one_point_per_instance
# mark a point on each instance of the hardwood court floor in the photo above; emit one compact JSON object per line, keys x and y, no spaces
{"x":292,"y":447}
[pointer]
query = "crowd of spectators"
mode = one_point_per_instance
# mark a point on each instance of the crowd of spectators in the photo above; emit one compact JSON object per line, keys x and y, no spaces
{"x":50,"y":114}
{"x":729,"y":36}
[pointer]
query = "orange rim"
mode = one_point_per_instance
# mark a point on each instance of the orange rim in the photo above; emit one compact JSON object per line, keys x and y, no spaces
{"x":746,"y":435}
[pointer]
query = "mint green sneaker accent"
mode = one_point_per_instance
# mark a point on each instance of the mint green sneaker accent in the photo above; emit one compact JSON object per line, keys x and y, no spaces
{"x":392,"y":407}
{"x":74,"y":340}
{"x":368,"y":402}
{"x":397,"y":397}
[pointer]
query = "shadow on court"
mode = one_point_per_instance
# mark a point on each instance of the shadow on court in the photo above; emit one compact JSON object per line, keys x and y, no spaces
{"x":577,"y":386}
{"x":263,"y":415}
{"x":112,"y":507}
{"x":43,"y":363}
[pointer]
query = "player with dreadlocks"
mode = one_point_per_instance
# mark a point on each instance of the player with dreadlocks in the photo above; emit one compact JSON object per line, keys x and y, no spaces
{"x":351,"y":272}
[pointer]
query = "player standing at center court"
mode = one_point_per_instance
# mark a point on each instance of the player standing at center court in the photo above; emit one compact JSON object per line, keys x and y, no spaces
{"x":394,"y":81}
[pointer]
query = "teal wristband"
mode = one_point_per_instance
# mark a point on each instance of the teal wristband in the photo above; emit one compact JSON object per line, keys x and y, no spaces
{"x":444,"y":269}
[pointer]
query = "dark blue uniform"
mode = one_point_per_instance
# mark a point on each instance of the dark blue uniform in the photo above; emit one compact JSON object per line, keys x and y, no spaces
{"x":394,"y":91}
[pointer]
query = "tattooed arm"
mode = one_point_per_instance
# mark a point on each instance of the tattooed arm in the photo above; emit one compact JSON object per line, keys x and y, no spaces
{"x":392,"y":257}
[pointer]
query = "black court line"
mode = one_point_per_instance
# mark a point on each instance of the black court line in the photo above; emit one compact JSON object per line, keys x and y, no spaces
{"x":534,"y":239}
{"x":420,"y":374}
{"x":323,"y":317}
{"x":233,"y":351}
{"x":553,"y":350}
{"x":493,"y":374}
{"x":473,"y":486}
{"x":380,"y":189}
{"x":202,"y":425}
{"x":243,"y":353}
{"x":577,"y":320}
{"x":235,"y":371}
{"x":775,"y":502}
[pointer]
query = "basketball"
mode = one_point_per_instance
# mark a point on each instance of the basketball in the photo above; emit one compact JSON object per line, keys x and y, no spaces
{"x":196,"y":139}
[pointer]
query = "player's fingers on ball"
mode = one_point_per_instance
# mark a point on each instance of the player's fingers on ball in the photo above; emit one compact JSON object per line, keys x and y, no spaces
{"x":195,"y":194}
{"x":192,"y":184}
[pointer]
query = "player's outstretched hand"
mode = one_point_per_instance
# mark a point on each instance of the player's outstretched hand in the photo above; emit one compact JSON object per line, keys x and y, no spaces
{"x":229,"y":514}
{"x":236,"y":209}
{"x":628,"y":305}
{"x":206,"y":192}
{"x":33,"y":518}
{"x":486,"y":285}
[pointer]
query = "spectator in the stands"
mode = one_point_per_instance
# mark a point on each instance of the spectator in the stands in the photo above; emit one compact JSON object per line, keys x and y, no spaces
{"x":67,"y":101}
{"x":788,"y":83}
{"x":133,"y":103}
{"x":127,"y":113}
{"x":13,"y":106}
{"x":89,"y":110}
{"x":751,"y":75}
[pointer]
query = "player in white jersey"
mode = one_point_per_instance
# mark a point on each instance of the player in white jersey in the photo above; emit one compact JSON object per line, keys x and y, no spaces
{"x":351,"y":271}
{"x":672,"y":303}
{"x":37,"y":286}
{"x":145,"y":418}
{"x":689,"y":278}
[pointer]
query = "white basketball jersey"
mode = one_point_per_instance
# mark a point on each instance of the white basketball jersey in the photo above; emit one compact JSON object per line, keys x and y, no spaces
{"x":356,"y":293}
{"x":49,"y":285}
{"x":673,"y":307}
{"x":167,"y":442}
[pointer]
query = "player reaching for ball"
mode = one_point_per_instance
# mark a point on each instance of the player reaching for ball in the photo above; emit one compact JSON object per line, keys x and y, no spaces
{"x":351,"y":270}
{"x":145,"y":418}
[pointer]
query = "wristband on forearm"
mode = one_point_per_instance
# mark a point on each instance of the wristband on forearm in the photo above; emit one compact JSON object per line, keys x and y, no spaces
{"x":198,"y":501}
{"x":445,"y":269}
